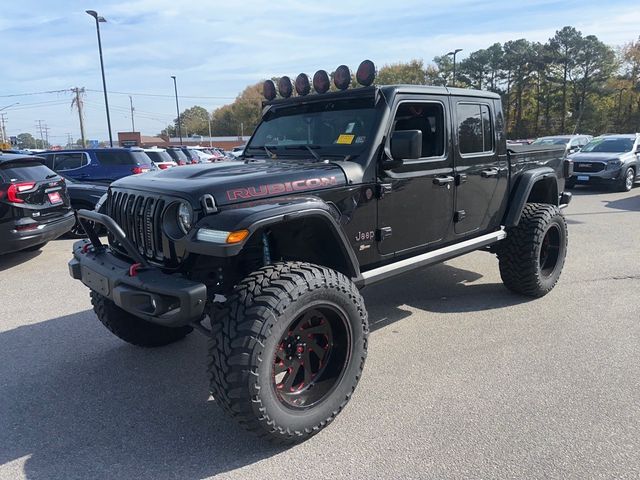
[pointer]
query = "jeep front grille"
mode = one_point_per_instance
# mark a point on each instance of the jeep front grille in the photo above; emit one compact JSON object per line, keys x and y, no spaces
{"x":140,"y":216}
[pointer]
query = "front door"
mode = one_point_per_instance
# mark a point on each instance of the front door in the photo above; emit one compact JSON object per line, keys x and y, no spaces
{"x":481,"y":175}
{"x":415,"y":203}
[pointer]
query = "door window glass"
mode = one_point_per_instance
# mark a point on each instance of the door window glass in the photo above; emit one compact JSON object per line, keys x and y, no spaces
{"x":69,"y":161}
{"x":475,"y":130}
{"x":426,"y":117}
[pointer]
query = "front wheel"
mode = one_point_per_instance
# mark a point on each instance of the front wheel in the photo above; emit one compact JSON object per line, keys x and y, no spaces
{"x":627,"y":180}
{"x":533,"y":254}
{"x":288,"y":349}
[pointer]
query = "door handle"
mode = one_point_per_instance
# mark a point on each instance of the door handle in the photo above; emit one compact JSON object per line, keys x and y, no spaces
{"x":443,"y":180}
{"x":492,"y":172}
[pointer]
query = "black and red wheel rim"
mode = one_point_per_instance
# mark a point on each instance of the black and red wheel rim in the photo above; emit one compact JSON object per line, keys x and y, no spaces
{"x":550,"y":250}
{"x":311,"y":356}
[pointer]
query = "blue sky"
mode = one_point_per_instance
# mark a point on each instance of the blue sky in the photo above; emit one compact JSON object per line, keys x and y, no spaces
{"x":217,"y":48}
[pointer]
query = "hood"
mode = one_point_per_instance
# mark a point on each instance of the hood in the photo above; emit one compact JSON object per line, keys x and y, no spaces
{"x":236,"y":181}
{"x":596,"y":156}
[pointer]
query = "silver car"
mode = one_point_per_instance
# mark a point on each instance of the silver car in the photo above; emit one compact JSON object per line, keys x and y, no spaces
{"x":608,"y":159}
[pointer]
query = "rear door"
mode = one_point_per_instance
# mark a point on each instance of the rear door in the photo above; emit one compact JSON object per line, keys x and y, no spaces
{"x":72,"y":164}
{"x":481,"y":174}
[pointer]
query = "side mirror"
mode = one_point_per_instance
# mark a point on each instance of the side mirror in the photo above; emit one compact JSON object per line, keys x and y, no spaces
{"x":406,"y":145}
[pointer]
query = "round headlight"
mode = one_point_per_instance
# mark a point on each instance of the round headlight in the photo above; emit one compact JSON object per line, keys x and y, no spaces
{"x":185,"y":217}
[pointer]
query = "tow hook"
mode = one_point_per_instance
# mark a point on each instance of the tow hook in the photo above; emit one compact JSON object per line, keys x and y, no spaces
{"x":133,"y":269}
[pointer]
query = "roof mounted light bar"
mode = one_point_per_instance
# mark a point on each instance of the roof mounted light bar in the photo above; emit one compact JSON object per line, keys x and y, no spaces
{"x":365,"y":75}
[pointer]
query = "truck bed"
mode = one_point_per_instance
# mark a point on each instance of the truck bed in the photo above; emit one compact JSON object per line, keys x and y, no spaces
{"x":535,"y":153}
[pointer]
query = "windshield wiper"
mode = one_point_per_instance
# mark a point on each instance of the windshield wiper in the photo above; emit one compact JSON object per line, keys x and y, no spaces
{"x":270,"y":153}
{"x":308,"y":148}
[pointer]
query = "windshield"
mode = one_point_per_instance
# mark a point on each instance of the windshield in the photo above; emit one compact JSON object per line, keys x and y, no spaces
{"x":551,"y":141}
{"x":612,"y":145}
{"x":159,"y":157}
{"x":177,"y":154}
{"x":336,"y":128}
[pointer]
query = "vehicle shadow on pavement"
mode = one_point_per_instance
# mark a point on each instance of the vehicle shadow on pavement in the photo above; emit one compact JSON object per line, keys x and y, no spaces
{"x":10,"y":260}
{"x":76,"y":402}
{"x":630,"y":204}
{"x":441,"y":288}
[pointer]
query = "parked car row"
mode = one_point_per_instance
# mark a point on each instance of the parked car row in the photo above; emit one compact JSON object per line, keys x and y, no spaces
{"x":610,"y":159}
{"x":39,"y":192}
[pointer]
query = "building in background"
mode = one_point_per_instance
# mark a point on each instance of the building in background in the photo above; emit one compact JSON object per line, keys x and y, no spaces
{"x":136,"y":139}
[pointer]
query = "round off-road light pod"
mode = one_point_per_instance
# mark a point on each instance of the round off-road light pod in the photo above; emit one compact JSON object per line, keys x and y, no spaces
{"x":303,"y":87}
{"x":342,"y":77}
{"x":321,"y":82}
{"x":284,"y":87}
{"x":269,"y":90}
{"x":366,"y":73}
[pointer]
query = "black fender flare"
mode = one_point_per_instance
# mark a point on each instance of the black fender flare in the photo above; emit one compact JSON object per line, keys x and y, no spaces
{"x":254,"y":216}
{"x":522,"y":189}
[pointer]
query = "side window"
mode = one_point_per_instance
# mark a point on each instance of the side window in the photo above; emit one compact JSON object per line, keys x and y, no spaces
{"x":475,"y":129}
{"x":48,"y":160}
{"x":427,"y":117}
{"x":69,"y":161}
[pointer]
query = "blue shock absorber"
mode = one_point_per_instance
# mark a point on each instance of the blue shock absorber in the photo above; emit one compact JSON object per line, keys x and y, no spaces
{"x":266,"y":253}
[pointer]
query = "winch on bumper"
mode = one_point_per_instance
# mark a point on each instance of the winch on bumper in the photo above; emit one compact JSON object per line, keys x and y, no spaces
{"x":139,"y":288}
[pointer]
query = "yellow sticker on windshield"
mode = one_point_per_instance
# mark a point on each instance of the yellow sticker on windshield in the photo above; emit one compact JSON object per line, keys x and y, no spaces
{"x":345,"y":139}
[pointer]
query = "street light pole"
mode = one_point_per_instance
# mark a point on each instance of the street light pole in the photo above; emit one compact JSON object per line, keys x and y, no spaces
{"x":209,"y":117}
{"x":454,"y":53}
{"x":175,"y":88}
{"x":620,"y":107}
{"x":100,"y":20}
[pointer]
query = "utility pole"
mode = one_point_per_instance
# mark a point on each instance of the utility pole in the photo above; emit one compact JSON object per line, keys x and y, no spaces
{"x":40,"y":129}
{"x":46,"y":134}
{"x":78,"y":103}
{"x":209,"y":118}
{"x":3,"y":127}
{"x":133,"y":125}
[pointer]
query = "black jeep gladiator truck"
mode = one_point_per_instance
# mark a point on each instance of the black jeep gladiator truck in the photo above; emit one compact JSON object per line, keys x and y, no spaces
{"x":333,"y":192}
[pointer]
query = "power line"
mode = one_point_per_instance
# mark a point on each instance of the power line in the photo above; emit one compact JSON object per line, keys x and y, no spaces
{"x":34,"y":93}
{"x":163,"y":95}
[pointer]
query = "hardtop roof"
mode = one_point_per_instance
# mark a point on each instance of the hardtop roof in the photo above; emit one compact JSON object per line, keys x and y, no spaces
{"x":12,"y":157}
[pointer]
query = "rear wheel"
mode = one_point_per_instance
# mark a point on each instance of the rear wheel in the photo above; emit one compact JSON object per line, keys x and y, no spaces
{"x":288,"y":349}
{"x":132,"y":329}
{"x":533,"y":254}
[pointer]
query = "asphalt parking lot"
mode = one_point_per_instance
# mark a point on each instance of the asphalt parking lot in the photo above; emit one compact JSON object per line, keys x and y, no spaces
{"x":463,"y":378}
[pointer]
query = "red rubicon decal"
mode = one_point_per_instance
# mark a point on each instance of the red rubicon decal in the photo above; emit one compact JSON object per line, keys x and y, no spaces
{"x":276,"y":188}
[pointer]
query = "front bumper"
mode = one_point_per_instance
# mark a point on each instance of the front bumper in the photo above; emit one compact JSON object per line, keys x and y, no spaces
{"x":137,"y":288}
{"x":602,"y":177}
{"x":12,"y":240}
